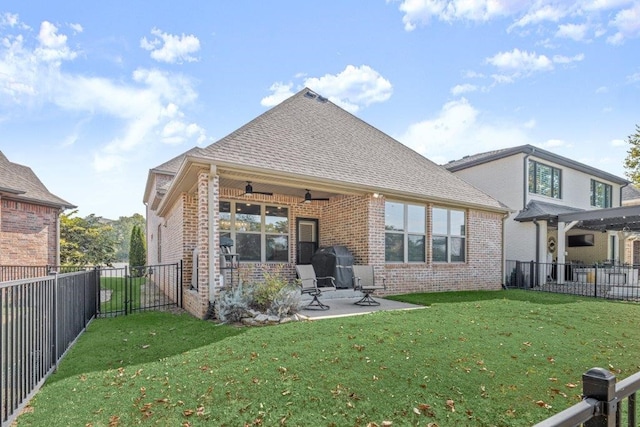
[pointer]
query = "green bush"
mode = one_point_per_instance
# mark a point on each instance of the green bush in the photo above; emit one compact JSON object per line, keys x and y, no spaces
{"x":137,"y":252}
{"x":274,"y":294}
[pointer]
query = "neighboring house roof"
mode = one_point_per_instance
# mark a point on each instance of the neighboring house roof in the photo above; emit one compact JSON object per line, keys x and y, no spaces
{"x":489,"y":156}
{"x":20,"y":183}
{"x":630,"y":193}
{"x":537,"y":210}
{"x":309,"y":136}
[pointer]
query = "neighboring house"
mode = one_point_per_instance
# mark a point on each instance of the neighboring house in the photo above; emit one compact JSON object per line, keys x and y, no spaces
{"x":29,"y":218}
{"x":562,"y":210}
{"x":308,"y":174}
{"x":631,"y":197}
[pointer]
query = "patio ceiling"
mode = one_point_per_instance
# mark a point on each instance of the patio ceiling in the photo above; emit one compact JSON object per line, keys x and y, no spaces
{"x":625,"y":218}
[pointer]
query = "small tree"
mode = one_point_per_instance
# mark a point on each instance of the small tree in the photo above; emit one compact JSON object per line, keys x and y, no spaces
{"x":632,"y":161}
{"x":137,"y":250}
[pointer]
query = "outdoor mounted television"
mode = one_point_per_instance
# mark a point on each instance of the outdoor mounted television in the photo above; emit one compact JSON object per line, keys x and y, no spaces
{"x":580,"y":240}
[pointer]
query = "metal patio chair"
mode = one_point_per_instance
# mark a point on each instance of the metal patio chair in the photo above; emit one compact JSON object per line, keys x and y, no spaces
{"x":309,"y":285}
{"x":364,"y":281}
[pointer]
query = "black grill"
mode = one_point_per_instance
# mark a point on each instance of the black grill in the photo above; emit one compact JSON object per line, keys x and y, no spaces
{"x":334,"y":261}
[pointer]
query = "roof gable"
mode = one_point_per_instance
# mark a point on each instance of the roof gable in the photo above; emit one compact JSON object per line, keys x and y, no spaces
{"x":21,"y":183}
{"x":307,"y":135}
{"x":489,"y":156}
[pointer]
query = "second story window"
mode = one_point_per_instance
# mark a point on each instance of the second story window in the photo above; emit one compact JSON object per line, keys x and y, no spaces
{"x":600,"y":194}
{"x":545,"y":180}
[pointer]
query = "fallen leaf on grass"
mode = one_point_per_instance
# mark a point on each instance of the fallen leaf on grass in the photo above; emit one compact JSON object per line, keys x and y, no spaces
{"x":571,"y":385}
{"x":114,"y":421}
{"x":451,"y":405}
{"x":542,"y":404}
{"x":146,"y":346}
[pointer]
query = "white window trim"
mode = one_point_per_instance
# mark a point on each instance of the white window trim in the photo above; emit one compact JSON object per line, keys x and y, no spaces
{"x":406,"y":233}
{"x":449,"y":236}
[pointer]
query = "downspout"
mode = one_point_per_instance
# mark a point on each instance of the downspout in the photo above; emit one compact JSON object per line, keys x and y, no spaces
{"x":503,"y":255}
{"x":535,"y":221}
{"x":525,"y":171}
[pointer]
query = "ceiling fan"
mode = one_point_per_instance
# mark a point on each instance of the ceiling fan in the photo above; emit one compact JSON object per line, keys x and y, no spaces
{"x":308,"y":198}
{"x":248,"y":191}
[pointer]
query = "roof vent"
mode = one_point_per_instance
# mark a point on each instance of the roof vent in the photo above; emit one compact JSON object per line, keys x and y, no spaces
{"x":310,"y":94}
{"x":321,"y":99}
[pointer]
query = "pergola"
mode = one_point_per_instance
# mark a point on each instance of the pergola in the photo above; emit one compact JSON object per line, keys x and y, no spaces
{"x":625,"y":218}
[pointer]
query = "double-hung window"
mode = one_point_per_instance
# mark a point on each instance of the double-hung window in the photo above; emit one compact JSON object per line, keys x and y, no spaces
{"x":260,"y":232}
{"x":545,"y":180}
{"x":600,"y":194}
{"x":405,"y":232}
{"x":448,"y":235}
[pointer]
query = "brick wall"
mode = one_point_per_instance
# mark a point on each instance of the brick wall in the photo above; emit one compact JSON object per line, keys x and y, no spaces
{"x":28,"y":233}
{"x":356,"y":222}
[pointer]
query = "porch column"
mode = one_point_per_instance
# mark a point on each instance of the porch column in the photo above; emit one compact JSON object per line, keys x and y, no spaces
{"x":543,"y":267}
{"x":202,"y":240}
{"x":214,"y":235}
{"x":562,"y":247}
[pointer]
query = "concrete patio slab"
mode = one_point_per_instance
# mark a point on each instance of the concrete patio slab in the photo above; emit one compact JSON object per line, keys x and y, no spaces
{"x":342,"y":307}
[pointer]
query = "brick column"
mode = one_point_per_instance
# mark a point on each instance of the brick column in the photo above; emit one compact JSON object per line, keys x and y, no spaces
{"x":202,"y":239}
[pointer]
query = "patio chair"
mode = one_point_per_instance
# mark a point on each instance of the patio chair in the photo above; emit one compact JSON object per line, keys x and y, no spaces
{"x":364,"y":281}
{"x":309,"y":285}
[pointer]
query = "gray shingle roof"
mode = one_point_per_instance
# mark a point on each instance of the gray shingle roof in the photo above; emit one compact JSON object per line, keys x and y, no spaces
{"x":21,"y":183}
{"x":536,"y":209}
{"x":489,"y":156}
{"x":173,"y":165}
{"x":310,"y":136}
{"x":630,"y":192}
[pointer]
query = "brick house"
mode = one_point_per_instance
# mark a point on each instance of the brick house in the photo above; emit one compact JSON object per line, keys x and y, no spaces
{"x":307,"y":174}
{"x":29,"y":218}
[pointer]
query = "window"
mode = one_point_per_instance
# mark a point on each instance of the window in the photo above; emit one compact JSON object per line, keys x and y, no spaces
{"x":448,"y":243}
{"x":545,"y":180}
{"x":260,"y":232}
{"x":600,"y":194}
{"x":404,"y":232}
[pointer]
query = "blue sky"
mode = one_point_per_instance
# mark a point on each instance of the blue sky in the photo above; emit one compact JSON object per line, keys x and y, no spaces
{"x":94,"y":94}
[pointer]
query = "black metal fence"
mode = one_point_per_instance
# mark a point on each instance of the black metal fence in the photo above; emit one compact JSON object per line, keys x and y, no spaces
{"x":602,"y":403}
{"x":41,"y":318}
{"x":131,"y":289}
{"x":605,"y":280}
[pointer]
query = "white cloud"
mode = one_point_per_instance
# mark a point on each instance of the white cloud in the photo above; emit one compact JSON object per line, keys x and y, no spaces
{"x":618,"y":143}
{"x":530,"y":124}
{"x":31,"y":76}
{"x":464,"y":88}
{"x":540,"y":12}
{"x":12,"y":20}
{"x":422,"y":11}
{"x":554,"y":143}
{"x":561,"y":59}
{"x":170,"y":48}
{"x":280,"y":91}
{"x":76,"y":27}
{"x":602,"y":89}
{"x":627,"y":22}
{"x":577,"y":32}
{"x":520,"y":61}
{"x":351,"y":89}
{"x":458,"y":130}
{"x":633,"y":78}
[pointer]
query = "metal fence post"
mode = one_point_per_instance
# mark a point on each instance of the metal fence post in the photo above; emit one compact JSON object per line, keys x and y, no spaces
{"x":595,"y":280}
{"x":600,"y":384}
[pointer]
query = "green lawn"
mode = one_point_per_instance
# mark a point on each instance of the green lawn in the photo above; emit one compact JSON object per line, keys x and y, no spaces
{"x":121,"y":288}
{"x":474,"y":358}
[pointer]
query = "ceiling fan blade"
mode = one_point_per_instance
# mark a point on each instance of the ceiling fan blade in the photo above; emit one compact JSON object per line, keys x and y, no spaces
{"x":248,"y":191}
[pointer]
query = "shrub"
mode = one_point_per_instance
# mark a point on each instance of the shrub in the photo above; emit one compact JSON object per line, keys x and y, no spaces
{"x":286,"y":301}
{"x":273,"y":287}
{"x":233,"y":303}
